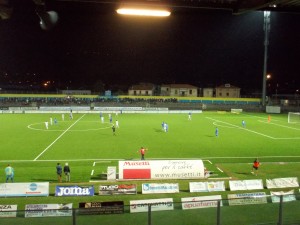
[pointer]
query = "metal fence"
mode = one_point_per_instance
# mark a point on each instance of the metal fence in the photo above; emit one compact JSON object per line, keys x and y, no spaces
{"x":217,"y":212}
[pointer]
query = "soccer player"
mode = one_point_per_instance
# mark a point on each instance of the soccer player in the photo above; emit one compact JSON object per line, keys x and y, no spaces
{"x":190,"y":116}
{"x":117,"y":124}
{"x":243,"y":123}
{"x":113,"y":130}
{"x":102,"y":119}
{"x":110,"y":119}
{"x":46,"y":125}
{"x":55,"y":121}
{"x":269,"y":118}
{"x":217,"y":132}
{"x":255,"y":167}
{"x":58,"y":172}
{"x":67,"y":172}
{"x":142,"y":152}
{"x":9,"y":172}
{"x":163,"y":125}
{"x":63,"y":117}
{"x":71,"y":114}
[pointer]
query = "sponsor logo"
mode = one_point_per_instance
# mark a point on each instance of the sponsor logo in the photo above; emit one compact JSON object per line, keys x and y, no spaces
{"x":5,"y":207}
{"x":33,"y":187}
{"x":138,"y":163}
{"x":71,"y":191}
{"x":109,"y":188}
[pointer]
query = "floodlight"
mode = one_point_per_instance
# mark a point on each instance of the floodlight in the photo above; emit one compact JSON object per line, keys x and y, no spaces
{"x":48,"y":19}
{"x":143,"y":12}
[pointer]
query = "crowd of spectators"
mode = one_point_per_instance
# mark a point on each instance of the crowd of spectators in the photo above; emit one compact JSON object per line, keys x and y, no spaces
{"x":69,"y":100}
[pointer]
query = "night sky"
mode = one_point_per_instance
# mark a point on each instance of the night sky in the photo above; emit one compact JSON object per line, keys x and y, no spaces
{"x":91,"y":44}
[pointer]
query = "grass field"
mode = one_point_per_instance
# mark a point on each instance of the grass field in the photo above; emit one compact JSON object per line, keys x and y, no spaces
{"x":89,"y":145}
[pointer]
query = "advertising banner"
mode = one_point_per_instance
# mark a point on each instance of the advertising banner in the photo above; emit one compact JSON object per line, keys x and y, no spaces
{"x":247,"y":198}
{"x":282,"y":182}
{"x":201,"y":202}
{"x":91,"y":208}
{"x":48,"y":210}
{"x":74,"y":190}
{"x":111,"y":173}
{"x":8,"y":210}
{"x":161,"y":169}
{"x":207,"y":186}
{"x":24,"y":189}
{"x":160,"y":188}
{"x":118,"y":189}
{"x":236,"y":185}
{"x":156,"y":205}
{"x":288,"y":196}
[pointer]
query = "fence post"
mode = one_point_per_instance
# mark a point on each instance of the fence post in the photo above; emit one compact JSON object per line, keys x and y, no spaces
{"x":149,"y":214}
{"x":74,"y":216}
{"x":280,"y":210}
{"x":219,"y":213}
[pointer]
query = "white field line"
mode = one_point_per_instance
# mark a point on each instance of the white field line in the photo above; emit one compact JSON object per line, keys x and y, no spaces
{"x":92,"y":173}
{"x":94,"y":163}
{"x":107,"y":161}
{"x":208,"y":161}
{"x":58,"y":137}
{"x":203,"y":158}
{"x":219,"y":121}
{"x":293,"y":128}
{"x":220,"y":170}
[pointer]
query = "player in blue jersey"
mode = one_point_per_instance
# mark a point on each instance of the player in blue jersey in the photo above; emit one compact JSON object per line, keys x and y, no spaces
{"x":217,"y":132}
{"x":243,"y":123}
{"x":9,"y":172}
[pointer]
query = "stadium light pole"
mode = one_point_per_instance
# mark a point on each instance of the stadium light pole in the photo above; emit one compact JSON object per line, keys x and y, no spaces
{"x":266,"y":43}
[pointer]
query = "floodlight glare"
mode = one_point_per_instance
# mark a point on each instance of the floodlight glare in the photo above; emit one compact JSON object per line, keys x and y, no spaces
{"x":143,"y":12}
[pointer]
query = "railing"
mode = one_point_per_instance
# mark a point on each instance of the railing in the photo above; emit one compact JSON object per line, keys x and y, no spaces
{"x":208,"y":212}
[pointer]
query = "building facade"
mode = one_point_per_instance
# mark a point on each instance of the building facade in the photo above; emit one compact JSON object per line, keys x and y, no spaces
{"x":227,"y":91}
{"x":141,"y":90}
{"x":180,"y":90}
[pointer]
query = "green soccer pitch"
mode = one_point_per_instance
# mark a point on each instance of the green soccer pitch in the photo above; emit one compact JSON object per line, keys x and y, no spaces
{"x":89,"y":146}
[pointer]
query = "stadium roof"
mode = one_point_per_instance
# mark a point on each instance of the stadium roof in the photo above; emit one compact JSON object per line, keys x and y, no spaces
{"x":235,"y":6}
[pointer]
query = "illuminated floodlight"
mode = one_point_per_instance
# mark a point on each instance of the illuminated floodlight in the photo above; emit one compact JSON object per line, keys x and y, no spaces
{"x":143,"y":12}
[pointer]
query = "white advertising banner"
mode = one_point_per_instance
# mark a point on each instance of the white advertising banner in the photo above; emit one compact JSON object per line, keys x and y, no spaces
{"x":161,"y":169}
{"x":288,"y":196}
{"x":201,"y":202}
{"x":216,"y":186}
{"x":111,"y":173}
{"x":247,"y":198}
{"x":159,"y":188}
{"x":8,"y":210}
{"x":282,"y":182}
{"x":207,"y":186}
{"x":48,"y":210}
{"x":24,"y":189}
{"x":237,"y":185}
{"x":198,"y":187}
{"x":156,"y":205}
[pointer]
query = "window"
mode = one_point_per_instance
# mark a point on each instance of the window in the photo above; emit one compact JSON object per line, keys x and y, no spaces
{"x":191,"y":92}
{"x":227,"y":94}
{"x":146,"y":92}
{"x":220,"y":94}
